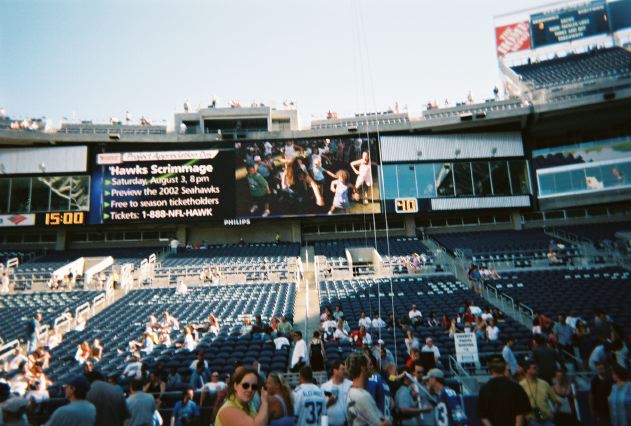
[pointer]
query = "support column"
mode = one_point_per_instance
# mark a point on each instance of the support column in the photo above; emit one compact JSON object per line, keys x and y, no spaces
{"x":410,"y":226}
{"x":516,"y":219}
{"x":60,"y":242}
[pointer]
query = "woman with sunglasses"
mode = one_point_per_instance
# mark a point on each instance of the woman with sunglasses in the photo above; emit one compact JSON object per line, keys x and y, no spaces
{"x":236,"y":409}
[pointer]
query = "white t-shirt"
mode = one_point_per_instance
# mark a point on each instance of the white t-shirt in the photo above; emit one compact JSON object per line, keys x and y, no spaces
{"x":415,"y":314}
{"x":487,"y":316}
{"x":279,"y":342}
{"x":366,"y":322}
{"x":309,"y":405}
{"x":361,"y":409}
{"x":378,"y":323}
{"x":300,"y":351}
{"x":340,"y":334}
{"x":475,"y":310}
{"x":189,"y":342}
{"x":492,"y":332}
{"x":337,"y":411}
{"x":329,"y":325}
{"x":434,"y":349}
{"x":267,"y":148}
{"x":193,"y":365}
{"x":214,"y":387}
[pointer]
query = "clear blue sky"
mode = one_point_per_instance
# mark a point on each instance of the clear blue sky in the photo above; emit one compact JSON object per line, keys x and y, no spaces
{"x":98,"y":58}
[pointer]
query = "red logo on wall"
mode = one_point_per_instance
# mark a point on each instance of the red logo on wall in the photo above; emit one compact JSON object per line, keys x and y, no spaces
{"x":17,"y":219}
{"x":512,"y":38}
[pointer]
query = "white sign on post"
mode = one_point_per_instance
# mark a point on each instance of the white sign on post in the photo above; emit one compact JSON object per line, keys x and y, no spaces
{"x":466,"y":348}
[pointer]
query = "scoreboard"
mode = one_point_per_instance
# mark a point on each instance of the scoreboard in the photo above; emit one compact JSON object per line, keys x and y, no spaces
{"x":569,"y":24}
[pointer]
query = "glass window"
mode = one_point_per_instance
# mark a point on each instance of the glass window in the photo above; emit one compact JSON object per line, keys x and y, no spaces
{"x":60,"y":192}
{"x":444,"y":180}
{"x":20,"y":195}
{"x":4,"y":194}
{"x":407,"y":180}
{"x":40,"y":195}
{"x":390,"y":182}
{"x":481,"y":178}
{"x":499,"y":174}
{"x":519,"y":177}
{"x":546,"y":184}
{"x":80,"y":193}
{"x":562,"y":182}
{"x":425,"y":180}
{"x":464,"y":186}
{"x":578,"y":180}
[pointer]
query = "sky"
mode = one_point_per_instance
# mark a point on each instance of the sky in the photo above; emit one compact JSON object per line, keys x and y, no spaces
{"x":94,"y":59}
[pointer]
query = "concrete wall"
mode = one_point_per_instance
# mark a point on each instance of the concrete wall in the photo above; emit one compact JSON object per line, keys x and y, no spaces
{"x":256,"y":232}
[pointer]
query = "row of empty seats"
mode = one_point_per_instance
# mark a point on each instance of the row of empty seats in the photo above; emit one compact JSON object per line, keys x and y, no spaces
{"x":577,"y":68}
{"x":584,"y":290}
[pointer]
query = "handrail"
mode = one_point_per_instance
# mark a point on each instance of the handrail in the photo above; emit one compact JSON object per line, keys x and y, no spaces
{"x":81,"y":309}
{"x":7,"y":348}
{"x":527,"y":309}
{"x":98,"y":300}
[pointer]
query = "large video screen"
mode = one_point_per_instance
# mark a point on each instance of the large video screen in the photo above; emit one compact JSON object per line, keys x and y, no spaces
{"x":307,"y":177}
{"x":569,"y":24}
{"x":620,"y":14}
{"x":584,"y":168}
{"x":168,"y":186}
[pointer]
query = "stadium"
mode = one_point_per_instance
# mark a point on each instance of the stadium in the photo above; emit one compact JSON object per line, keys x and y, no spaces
{"x":466,"y":239}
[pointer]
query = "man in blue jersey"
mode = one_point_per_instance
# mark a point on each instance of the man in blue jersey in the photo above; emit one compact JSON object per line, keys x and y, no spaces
{"x":378,"y":388}
{"x":448,"y":411}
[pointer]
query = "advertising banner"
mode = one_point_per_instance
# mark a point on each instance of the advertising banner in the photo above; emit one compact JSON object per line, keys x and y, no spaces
{"x":512,"y":38}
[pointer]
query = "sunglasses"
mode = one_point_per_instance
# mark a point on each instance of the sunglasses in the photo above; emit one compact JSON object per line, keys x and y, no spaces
{"x":247,"y":386}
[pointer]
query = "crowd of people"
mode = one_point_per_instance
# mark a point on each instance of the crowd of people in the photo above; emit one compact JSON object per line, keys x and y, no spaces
{"x":315,"y":177}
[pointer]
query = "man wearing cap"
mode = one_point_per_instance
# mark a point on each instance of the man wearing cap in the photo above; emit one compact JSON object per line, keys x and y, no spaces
{"x":12,"y":412}
{"x":448,"y":411}
{"x":79,"y":412}
{"x":430,"y":347}
{"x":416,"y":317}
{"x":382,"y":354}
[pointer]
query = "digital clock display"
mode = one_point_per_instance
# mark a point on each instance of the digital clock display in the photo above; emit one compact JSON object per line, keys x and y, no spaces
{"x":63,"y":218}
{"x":406,"y":205}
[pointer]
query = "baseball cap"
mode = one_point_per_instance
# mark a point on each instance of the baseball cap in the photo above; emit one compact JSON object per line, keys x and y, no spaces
{"x":257,"y":158}
{"x":380,"y":341}
{"x":435,"y":373}
{"x":78,"y":382}
{"x":15,"y":405}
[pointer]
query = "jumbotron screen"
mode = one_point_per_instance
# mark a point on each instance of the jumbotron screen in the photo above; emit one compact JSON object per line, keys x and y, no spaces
{"x":569,"y":24}
{"x":247,"y":180}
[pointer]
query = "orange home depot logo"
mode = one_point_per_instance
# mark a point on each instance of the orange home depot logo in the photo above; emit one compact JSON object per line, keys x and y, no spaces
{"x":512,"y":38}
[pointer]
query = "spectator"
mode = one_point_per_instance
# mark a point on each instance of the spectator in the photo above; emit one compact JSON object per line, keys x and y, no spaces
{"x":83,"y":353}
{"x":382,"y":355}
{"x":430,"y":347}
{"x":450,"y":413}
{"x":316,"y":352}
{"x":156,"y":387}
{"x":378,"y":387}
{"x":492,"y":331}
{"x":566,"y":412}
{"x":416,"y":317}
{"x":540,"y":396}
{"x":509,"y":356}
{"x":109,"y":401}
{"x":620,"y":397}
{"x":141,"y":405}
{"x":336,"y":391}
{"x":338,"y":313}
{"x":281,"y":408}
{"x":13,"y":412}
{"x":411,"y":342}
{"x":185,"y":411}
{"x":563,"y":333}
{"x":361,"y":337}
{"x":502,"y":401}
{"x":215,"y":386}
{"x":96,"y":350}
{"x":425,"y":399}
{"x":4,"y":288}
{"x":546,"y":358}
{"x":341,"y":334}
{"x":309,"y":400}
{"x":432,"y":321}
{"x":34,"y":330}
{"x":600,"y":354}
{"x":300,"y":356}
{"x":133,"y":370}
{"x":598,"y":394}
{"x":406,"y":405}
{"x":174,"y":378}
{"x":79,"y":411}
{"x":199,"y":377}
{"x":237,"y":408}
{"x":377,"y":322}
{"x":284,"y":326}
{"x":361,"y":407}
{"x":364,"y":320}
